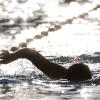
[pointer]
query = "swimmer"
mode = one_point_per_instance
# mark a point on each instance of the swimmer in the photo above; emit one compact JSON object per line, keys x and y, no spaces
{"x":76,"y":72}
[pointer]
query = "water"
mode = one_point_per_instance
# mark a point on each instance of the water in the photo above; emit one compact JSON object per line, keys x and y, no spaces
{"x":65,"y":33}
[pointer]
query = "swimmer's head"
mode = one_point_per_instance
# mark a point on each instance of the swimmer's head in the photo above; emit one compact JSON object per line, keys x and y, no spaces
{"x":79,"y":71}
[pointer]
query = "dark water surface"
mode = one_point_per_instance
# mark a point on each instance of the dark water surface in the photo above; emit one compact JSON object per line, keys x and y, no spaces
{"x":65,"y":33}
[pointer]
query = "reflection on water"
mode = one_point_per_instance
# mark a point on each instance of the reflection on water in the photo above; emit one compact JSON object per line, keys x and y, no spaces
{"x":65,"y":32}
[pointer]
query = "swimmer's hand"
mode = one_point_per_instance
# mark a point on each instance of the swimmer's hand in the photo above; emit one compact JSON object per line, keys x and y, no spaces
{"x":5,"y":57}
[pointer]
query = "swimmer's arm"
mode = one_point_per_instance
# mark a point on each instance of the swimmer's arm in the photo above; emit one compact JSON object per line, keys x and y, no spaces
{"x":52,"y":70}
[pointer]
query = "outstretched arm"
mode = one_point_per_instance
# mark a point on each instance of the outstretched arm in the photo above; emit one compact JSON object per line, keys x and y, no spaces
{"x":52,"y":70}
